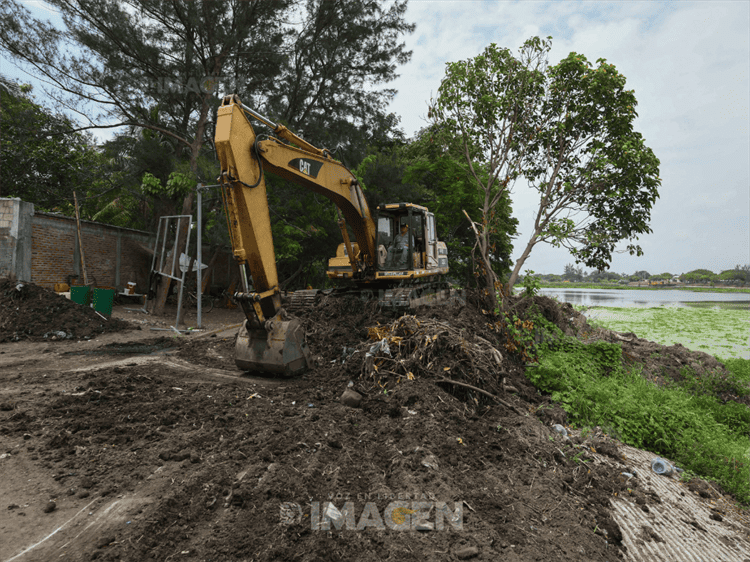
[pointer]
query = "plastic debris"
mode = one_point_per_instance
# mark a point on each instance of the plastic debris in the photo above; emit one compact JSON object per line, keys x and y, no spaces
{"x":560,"y":429}
{"x":332,"y":513}
{"x":661,"y":466}
{"x":382,"y":345}
{"x":430,"y":461}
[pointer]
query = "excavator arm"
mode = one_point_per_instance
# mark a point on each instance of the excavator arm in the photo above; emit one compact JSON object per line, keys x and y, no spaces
{"x":268,"y":341}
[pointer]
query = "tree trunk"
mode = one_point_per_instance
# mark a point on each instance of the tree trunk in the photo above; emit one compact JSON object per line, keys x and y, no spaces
{"x":489,"y":291}
{"x":519,"y":263}
{"x":209,"y":270}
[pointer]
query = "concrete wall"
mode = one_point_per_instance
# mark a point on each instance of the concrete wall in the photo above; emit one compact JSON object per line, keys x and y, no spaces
{"x":15,"y":238}
{"x":43,"y":248}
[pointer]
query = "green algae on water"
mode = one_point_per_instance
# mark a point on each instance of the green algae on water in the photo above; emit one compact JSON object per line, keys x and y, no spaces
{"x":723,"y":331}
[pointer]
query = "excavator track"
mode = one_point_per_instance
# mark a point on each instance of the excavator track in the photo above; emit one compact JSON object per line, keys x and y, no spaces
{"x":402,"y":298}
{"x":414,"y":296}
{"x":299,"y":301}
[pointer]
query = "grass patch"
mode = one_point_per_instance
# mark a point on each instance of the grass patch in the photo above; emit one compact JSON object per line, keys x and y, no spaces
{"x":685,"y":422}
{"x":724,"y":332}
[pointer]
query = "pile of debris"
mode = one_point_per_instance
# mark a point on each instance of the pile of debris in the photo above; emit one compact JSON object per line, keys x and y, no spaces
{"x":31,"y":312}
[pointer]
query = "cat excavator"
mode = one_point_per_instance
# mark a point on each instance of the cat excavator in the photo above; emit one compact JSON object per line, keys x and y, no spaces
{"x":395,"y":255}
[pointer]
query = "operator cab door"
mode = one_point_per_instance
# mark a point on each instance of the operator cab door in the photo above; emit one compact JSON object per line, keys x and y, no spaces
{"x":431,"y":251}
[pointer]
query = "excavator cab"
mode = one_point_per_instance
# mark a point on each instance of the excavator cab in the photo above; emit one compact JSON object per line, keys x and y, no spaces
{"x":407,"y":241}
{"x":400,"y":240}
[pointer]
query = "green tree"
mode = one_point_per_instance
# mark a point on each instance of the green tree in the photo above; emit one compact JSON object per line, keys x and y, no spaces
{"x":732,"y":275}
{"x":573,"y":273}
{"x":699,"y":276}
{"x":450,"y":190}
{"x":323,"y":91}
{"x":480,"y":115}
{"x":41,"y":160}
{"x":568,"y":129}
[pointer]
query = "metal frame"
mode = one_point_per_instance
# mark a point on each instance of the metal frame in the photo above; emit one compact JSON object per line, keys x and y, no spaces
{"x":165,"y":220}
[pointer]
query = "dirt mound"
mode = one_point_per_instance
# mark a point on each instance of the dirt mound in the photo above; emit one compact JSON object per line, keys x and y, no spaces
{"x":30,"y":312}
{"x":449,"y":455}
{"x":233,"y":457}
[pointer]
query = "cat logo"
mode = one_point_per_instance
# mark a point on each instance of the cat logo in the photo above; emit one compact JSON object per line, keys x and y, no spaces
{"x":306,"y":167}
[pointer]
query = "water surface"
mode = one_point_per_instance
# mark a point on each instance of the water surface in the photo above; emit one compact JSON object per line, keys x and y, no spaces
{"x":652,"y":298}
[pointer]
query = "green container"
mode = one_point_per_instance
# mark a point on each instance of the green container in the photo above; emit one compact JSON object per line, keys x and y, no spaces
{"x":103,"y":301}
{"x":80,"y":294}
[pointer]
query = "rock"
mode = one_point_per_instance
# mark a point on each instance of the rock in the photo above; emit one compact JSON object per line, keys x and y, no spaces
{"x":351,"y":398}
{"x":104,"y":542}
{"x":430,"y":461}
{"x":467,"y":552}
{"x":87,"y":482}
{"x":50,"y":507}
{"x":181,"y":456}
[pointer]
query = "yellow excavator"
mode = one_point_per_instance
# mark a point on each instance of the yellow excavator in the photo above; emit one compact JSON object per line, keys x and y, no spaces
{"x":395,"y":256}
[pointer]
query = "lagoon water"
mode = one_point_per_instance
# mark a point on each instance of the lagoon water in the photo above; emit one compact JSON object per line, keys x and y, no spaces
{"x":647,"y":298}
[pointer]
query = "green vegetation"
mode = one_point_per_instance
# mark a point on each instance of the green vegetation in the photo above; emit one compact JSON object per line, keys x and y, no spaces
{"x":717,"y":331}
{"x":685,"y":422}
{"x":571,"y":137}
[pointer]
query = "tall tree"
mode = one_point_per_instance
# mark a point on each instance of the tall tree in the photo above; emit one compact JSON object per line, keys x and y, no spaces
{"x":595,"y":177}
{"x":568,"y":129}
{"x":117,"y":60}
{"x":325,"y":90}
{"x":482,"y":109}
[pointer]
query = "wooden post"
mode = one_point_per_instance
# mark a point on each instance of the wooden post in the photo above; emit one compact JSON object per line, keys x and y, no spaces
{"x":80,"y":241}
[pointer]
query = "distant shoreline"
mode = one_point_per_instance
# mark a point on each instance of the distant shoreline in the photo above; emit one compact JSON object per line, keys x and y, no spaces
{"x":636,"y":286}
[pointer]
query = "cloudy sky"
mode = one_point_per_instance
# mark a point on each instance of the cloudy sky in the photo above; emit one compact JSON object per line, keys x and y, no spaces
{"x":688,"y":63}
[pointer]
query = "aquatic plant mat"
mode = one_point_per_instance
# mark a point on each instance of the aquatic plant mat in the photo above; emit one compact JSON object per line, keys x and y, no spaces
{"x":724,"y":332}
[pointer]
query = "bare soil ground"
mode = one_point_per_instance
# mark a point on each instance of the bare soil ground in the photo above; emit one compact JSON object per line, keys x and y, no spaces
{"x":140,"y":444}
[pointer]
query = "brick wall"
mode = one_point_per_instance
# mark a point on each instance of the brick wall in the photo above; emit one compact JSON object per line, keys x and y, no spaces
{"x":113,"y":255}
{"x":53,"y":246}
{"x":47,"y":246}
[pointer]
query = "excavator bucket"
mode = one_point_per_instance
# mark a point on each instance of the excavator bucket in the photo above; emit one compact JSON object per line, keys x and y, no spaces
{"x":280,"y":348}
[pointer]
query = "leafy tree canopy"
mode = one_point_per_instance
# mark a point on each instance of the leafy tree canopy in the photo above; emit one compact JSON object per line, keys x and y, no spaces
{"x":451,"y":190}
{"x":41,"y":160}
{"x":568,"y":129}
